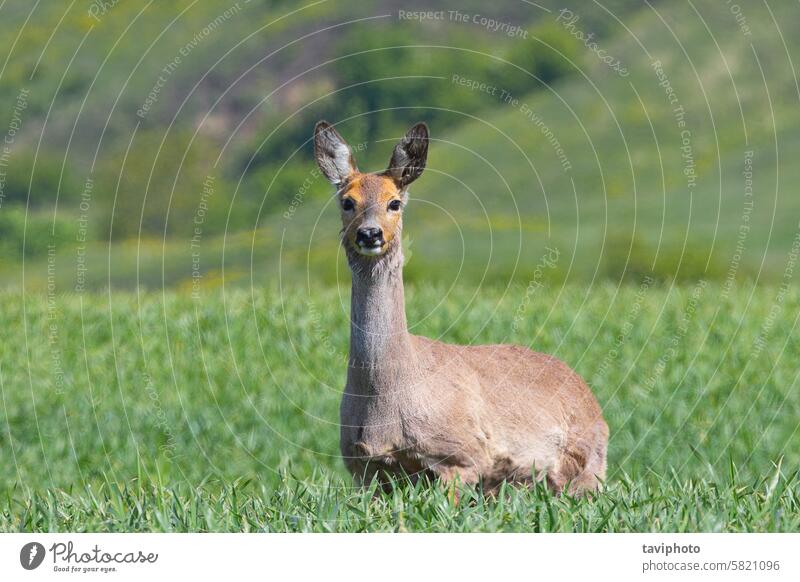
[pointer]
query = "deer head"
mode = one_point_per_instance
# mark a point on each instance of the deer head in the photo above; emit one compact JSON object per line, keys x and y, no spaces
{"x":371,"y":204}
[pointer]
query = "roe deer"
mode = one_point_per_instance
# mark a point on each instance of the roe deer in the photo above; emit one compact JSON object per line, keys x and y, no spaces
{"x":414,"y":406}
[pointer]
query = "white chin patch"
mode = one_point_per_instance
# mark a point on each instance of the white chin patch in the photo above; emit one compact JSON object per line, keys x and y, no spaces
{"x":370,"y":251}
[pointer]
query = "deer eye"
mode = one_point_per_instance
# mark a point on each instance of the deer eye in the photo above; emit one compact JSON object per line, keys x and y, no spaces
{"x":348,"y":204}
{"x":394,"y":205}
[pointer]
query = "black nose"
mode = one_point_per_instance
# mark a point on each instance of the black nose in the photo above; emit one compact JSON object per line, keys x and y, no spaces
{"x":369,"y":236}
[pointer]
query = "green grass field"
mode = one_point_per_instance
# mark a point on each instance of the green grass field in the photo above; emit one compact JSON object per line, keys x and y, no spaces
{"x":128,"y":412}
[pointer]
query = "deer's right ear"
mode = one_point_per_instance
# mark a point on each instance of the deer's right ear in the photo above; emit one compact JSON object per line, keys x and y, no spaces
{"x":333,"y":155}
{"x":409,"y":156}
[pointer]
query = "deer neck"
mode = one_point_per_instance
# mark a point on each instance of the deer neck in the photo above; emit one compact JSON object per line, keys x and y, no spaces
{"x":381,"y":352}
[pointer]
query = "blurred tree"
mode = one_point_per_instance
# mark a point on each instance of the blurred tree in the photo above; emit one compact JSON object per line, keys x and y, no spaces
{"x":40,"y":175}
{"x":163,"y":185}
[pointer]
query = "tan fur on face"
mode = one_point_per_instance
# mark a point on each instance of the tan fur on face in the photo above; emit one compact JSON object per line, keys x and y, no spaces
{"x":371,"y":194}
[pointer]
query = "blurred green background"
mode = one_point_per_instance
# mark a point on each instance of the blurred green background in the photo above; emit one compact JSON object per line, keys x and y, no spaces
{"x":609,"y":182}
{"x":124,"y":113}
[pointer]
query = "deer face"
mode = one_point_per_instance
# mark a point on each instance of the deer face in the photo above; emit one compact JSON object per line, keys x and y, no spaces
{"x":372,"y":208}
{"x":371,"y":203}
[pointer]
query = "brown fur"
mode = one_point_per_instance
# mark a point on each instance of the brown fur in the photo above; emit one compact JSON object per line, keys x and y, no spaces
{"x":414,"y":406}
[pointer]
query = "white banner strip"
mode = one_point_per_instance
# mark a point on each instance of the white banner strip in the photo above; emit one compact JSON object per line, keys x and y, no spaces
{"x":387,"y":557}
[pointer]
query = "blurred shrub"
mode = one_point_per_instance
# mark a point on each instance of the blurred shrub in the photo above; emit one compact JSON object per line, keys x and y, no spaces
{"x":548,"y":53}
{"x":632,"y":259}
{"x":21,"y":237}
{"x":41,"y":177}
{"x":283,"y":189}
{"x":167,"y":186}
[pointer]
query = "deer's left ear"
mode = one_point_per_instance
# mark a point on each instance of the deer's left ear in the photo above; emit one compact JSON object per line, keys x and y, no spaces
{"x":409,"y":157}
{"x":333,"y":154}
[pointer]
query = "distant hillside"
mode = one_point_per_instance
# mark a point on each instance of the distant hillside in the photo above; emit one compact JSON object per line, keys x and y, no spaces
{"x":702,"y":176}
{"x":142,"y":101}
{"x":714,"y":197}
{"x":579,"y":157}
